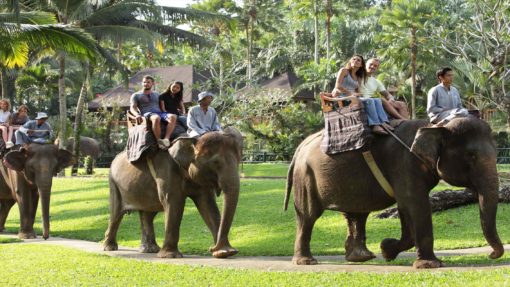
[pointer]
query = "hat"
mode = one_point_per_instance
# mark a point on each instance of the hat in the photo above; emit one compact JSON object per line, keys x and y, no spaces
{"x":41,"y":115}
{"x":202,"y":95}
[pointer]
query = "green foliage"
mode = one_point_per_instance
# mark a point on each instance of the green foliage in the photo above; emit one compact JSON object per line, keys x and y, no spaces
{"x":273,"y":117}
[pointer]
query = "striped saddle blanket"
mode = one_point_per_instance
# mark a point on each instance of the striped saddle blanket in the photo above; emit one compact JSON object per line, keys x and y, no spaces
{"x":345,"y":129}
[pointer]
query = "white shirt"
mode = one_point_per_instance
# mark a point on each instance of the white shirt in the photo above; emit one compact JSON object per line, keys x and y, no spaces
{"x":4,"y":116}
{"x":370,"y":87}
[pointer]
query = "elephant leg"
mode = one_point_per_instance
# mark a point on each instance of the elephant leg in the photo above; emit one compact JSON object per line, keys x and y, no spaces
{"x":5,"y":207}
{"x":206,"y":205}
{"x":174,"y":209}
{"x":148,"y":244}
{"x":391,"y":247}
{"x":305,"y":223}
{"x":116,"y":215}
{"x":355,"y":245}
{"x":27,"y":209}
{"x":420,"y":215}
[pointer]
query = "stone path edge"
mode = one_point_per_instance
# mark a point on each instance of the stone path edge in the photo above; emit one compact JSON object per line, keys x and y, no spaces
{"x":268,"y":263}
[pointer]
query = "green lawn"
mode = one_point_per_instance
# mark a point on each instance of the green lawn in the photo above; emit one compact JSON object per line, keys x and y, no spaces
{"x":79,"y":209}
{"x":42,"y":265}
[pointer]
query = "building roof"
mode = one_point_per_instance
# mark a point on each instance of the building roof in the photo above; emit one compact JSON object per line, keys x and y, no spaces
{"x":163,"y":76}
{"x":286,"y":83}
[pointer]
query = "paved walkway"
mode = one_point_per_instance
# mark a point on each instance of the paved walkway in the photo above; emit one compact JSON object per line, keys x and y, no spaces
{"x":267,"y":263}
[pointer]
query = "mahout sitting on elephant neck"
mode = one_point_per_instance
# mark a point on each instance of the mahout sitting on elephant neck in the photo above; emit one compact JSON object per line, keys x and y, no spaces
{"x":462,"y":152}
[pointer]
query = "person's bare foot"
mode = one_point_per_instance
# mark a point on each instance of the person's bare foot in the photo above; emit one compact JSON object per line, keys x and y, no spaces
{"x":378,"y":130}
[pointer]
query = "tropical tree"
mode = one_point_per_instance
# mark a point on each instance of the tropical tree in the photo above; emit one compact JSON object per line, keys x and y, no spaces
{"x":403,"y":29}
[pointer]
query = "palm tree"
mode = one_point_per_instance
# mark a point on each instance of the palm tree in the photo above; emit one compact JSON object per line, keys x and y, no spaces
{"x":403,"y":28}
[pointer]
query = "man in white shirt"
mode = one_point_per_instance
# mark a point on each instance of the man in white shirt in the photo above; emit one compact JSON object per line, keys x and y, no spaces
{"x":203,"y":118}
{"x":368,"y":89}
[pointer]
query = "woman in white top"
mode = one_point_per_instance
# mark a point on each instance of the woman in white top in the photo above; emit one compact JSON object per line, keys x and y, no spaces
{"x":5,"y":116}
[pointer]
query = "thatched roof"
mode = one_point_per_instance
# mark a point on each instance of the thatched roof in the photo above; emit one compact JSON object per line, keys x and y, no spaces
{"x":164,"y":76}
{"x":286,"y":83}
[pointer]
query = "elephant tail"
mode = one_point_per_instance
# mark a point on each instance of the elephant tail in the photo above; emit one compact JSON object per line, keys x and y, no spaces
{"x":290,"y":176}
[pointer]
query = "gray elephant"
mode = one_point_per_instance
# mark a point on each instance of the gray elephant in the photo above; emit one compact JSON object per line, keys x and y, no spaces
{"x":461,"y":153}
{"x":88,"y":146}
{"x":31,"y":176}
{"x":199,"y":171}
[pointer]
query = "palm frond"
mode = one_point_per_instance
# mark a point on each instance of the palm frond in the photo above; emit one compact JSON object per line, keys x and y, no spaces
{"x":176,"y":14}
{"x":118,"y":32}
{"x":122,"y":12}
{"x":174,"y":34}
{"x":33,"y":17}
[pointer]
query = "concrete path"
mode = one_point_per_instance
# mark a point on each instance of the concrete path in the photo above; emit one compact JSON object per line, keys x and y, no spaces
{"x":267,"y":263}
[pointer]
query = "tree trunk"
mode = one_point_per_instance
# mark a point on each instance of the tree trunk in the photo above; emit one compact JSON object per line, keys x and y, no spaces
{"x":329,"y":14}
{"x":448,"y":199}
{"x":414,"y":52}
{"x":78,"y":122}
{"x":62,"y":101}
{"x":8,"y":84}
{"x":316,"y":32}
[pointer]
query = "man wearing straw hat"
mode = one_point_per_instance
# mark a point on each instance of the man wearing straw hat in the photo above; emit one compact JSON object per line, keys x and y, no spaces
{"x":35,"y":131}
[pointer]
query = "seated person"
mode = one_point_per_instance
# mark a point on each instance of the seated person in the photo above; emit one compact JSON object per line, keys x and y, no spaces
{"x":395,"y":109}
{"x":347,"y":84}
{"x":443,"y":100}
{"x":202,"y":118}
{"x":18,"y":119}
{"x":5,"y":116}
{"x":170,"y":101}
{"x":145,"y":103}
{"x":35,"y":131}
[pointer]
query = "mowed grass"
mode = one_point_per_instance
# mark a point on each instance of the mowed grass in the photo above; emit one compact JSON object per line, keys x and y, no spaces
{"x":79,"y":209}
{"x":41,"y":265}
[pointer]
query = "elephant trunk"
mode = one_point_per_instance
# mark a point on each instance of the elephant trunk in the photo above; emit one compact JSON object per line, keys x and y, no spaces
{"x":45,"y":211}
{"x":230,"y":199}
{"x":488,"y":200}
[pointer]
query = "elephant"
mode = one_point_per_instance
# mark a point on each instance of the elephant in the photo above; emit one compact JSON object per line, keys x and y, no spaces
{"x":88,"y":146}
{"x":462,"y":153}
{"x":198,"y":170}
{"x":31,"y":174}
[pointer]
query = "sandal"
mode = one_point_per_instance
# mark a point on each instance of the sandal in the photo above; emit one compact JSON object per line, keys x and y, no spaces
{"x":379,"y":130}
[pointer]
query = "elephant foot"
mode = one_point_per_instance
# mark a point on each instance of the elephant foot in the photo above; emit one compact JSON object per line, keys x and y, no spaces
{"x":169,"y":254}
{"x":422,"y":263}
{"x":357,"y":251}
{"x":359,"y":255}
{"x":304,"y":260}
{"x":27,"y":235}
{"x":223,"y":252}
{"x":110,"y":246}
{"x":149,"y":248}
{"x":389,"y":248}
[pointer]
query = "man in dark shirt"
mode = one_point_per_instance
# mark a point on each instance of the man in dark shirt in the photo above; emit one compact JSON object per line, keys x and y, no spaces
{"x":145,"y":103}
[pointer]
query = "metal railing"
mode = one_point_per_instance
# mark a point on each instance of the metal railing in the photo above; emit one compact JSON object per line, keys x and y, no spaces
{"x":503,"y":157}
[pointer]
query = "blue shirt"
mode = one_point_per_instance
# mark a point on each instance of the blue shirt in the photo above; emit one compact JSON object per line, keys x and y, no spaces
{"x":441,"y":100}
{"x":43,"y":131}
{"x":199,"y":122}
{"x":146,"y":103}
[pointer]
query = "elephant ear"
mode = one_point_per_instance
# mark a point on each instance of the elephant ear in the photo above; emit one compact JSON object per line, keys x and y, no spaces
{"x":16,"y":159}
{"x":183,"y":151}
{"x":65,"y":159}
{"x":428,"y":143}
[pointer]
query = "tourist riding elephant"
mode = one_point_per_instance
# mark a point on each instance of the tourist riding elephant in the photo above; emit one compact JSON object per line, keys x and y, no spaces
{"x":31,"y":175}
{"x":199,"y":171}
{"x":461,"y":153}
